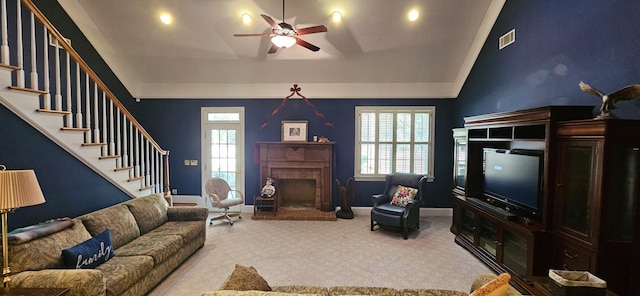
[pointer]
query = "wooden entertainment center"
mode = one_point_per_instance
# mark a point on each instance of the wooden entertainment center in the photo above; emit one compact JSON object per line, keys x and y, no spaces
{"x":588,"y":206}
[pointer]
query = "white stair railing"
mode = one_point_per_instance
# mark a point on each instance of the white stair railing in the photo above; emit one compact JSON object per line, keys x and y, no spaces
{"x":83,"y":100}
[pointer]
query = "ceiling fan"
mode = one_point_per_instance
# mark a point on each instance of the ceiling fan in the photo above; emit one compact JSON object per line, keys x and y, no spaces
{"x":284,"y":35}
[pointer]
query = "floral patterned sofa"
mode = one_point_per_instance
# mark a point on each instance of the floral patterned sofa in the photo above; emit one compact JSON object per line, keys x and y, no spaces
{"x":148,"y":239}
{"x":245,"y":281}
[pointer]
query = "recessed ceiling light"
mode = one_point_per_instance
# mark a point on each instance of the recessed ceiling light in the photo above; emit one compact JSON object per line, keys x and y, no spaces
{"x":166,"y":18}
{"x":336,"y":16}
{"x":246,"y":19}
{"x":413,"y":15}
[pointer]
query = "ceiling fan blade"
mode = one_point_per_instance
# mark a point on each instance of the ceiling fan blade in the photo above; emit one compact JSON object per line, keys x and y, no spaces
{"x":271,"y":22}
{"x":307,"y":45}
{"x":249,"y":35}
{"x":311,"y":30}
{"x":273,"y":49}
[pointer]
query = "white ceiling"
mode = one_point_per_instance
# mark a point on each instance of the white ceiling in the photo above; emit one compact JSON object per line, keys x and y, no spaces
{"x":373,"y":53}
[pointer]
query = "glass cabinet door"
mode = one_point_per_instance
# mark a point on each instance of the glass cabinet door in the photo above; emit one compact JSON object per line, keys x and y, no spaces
{"x":514,"y":252}
{"x":461,"y":164}
{"x":468,"y":228}
{"x":459,"y":158}
{"x":576,"y":186}
{"x":488,"y":239}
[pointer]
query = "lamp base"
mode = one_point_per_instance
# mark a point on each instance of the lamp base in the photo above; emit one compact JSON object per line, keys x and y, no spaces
{"x":5,"y":247}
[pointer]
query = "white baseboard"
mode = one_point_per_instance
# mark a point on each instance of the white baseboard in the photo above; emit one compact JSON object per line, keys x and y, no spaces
{"x":424,"y":212}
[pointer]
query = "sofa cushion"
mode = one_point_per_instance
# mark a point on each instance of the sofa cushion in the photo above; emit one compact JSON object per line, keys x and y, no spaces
{"x":47,"y":249}
{"x":187,"y":213}
{"x":188,"y":230}
{"x":120,"y":273}
{"x":149,"y":211}
{"x":245,"y":278}
{"x":297,"y":289}
{"x":157,"y":247}
{"x":431,"y":292}
{"x":252,"y":293}
{"x":352,"y":290}
{"x":90,"y":253}
{"x":118,"y":219}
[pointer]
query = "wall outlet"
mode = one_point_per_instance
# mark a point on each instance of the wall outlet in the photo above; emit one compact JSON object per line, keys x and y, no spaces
{"x":187,"y":162}
{"x":174,"y":191}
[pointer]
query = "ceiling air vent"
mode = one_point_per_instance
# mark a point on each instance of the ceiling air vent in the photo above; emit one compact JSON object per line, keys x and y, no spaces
{"x":507,"y":39}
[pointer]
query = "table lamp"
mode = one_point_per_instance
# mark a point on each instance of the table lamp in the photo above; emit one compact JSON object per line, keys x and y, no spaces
{"x":18,"y":188}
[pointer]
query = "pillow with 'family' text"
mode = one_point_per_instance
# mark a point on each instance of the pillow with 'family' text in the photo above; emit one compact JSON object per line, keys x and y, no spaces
{"x":403,"y":196}
{"x":90,"y":253}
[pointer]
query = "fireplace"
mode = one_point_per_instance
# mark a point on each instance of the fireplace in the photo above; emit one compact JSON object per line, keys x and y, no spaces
{"x":302,"y":171}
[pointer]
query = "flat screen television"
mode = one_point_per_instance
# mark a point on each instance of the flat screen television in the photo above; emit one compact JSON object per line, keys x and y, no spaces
{"x":514,"y":177}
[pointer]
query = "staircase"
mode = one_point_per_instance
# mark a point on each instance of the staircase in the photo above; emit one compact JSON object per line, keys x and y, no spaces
{"x":73,"y":107}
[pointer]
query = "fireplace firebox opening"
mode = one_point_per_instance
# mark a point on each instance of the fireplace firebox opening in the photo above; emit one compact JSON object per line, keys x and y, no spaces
{"x":297,"y":193}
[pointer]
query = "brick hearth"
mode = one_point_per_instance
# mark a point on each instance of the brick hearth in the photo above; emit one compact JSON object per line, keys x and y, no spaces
{"x":302,"y":214}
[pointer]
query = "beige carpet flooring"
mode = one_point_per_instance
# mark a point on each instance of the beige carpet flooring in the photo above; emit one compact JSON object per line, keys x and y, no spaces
{"x":327,"y":253}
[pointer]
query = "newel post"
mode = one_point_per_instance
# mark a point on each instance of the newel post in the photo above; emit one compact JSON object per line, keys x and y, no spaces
{"x":166,"y":189}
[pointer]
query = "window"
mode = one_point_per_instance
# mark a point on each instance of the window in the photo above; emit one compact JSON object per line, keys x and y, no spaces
{"x":393,"y":139}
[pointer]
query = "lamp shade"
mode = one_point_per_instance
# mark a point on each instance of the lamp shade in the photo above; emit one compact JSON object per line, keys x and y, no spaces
{"x":283,"y":41}
{"x":19,"y":188}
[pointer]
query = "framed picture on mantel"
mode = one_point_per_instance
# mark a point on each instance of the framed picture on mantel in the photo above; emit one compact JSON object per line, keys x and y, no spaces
{"x":294,"y":130}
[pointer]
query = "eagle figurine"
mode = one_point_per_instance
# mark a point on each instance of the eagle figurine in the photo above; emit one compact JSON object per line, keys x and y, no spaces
{"x":609,"y":101}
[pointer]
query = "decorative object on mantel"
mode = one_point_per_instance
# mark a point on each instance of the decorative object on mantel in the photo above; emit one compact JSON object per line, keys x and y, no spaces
{"x":20,"y":188}
{"x":268,"y":190}
{"x":296,"y":90}
{"x":609,"y":101}
{"x":323,"y":140}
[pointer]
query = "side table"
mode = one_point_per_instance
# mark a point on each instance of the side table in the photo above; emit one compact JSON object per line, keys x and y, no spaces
{"x":34,"y":292}
{"x":265,"y":205}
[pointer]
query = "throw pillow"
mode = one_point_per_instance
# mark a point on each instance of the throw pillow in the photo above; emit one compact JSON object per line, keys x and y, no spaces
{"x":496,"y":287}
{"x":90,"y":253}
{"x":403,"y":195}
{"x":245,"y":278}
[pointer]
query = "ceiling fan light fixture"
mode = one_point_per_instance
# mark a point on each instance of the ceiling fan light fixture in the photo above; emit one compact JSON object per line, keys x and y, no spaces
{"x":283,"y":41}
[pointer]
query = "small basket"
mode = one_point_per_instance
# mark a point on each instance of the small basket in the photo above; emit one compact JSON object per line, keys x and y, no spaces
{"x":575,"y":283}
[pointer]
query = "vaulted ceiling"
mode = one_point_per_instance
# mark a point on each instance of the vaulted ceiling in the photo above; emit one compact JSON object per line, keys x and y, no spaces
{"x":374,"y":52}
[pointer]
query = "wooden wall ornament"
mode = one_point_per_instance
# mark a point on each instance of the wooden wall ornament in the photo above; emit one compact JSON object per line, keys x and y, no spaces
{"x":295,"y":90}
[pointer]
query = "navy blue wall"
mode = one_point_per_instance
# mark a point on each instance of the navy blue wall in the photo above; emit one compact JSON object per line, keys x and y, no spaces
{"x":175,"y":124}
{"x":558,"y":43}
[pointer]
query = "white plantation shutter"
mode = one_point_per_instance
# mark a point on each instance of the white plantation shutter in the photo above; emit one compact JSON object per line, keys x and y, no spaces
{"x":394,"y":139}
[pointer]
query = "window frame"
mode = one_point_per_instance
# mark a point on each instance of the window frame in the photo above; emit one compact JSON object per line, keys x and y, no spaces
{"x":359,"y":110}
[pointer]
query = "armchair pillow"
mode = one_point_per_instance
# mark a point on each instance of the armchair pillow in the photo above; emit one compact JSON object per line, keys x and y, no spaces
{"x":403,"y":196}
{"x":90,"y":253}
